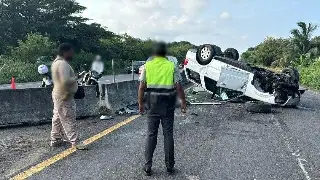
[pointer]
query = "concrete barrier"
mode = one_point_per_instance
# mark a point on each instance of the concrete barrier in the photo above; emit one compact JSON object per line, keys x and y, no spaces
{"x":34,"y":106}
{"x":118,"y":95}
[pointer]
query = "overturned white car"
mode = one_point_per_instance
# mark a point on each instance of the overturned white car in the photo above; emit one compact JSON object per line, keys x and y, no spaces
{"x":211,"y":69}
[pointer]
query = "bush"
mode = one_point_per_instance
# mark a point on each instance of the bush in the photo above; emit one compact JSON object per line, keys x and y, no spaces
{"x":82,"y":61}
{"x":22,"y":71}
{"x":22,"y":61}
{"x":310,"y":76}
{"x":271,"y":52}
{"x":34,"y":47}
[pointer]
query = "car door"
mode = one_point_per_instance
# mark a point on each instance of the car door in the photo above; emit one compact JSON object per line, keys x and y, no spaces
{"x":233,"y":78}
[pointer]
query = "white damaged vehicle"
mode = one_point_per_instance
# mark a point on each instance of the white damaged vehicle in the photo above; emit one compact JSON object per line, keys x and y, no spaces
{"x":211,"y":69}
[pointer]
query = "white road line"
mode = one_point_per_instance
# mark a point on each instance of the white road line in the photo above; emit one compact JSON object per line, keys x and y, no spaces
{"x":193,"y":177}
{"x":301,"y":165}
{"x":294,"y":152}
{"x":304,"y":108}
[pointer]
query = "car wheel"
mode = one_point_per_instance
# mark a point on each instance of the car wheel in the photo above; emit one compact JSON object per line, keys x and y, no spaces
{"x":231,"y":53}
{"x":206,"y":52}
{"x":237,"y":64}
{"x":257,"y":107}
{"x":293,"y":73}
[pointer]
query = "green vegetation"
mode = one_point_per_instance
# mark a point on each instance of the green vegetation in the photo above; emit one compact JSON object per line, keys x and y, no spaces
{"x":32,"y":30}
{"x":310,"y":75}
{"x":300,"y":50}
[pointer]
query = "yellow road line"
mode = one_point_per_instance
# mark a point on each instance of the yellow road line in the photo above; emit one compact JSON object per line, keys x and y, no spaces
{"x":41,"y":166}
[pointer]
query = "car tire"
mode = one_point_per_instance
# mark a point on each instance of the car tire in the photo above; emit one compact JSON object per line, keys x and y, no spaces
{"x":293,"y":73}
{"x":206,"y":52}
{"x":218,"y":50}
{"x":237,"y":64}
{"x":231,"y":53}
{"x":258,"y":107}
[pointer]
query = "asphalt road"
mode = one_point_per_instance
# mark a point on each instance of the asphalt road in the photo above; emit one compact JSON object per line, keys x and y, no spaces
{"x":104,"y":79}
{"x":221,"y":142}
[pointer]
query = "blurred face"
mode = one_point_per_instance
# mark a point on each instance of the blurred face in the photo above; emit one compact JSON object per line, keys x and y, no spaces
{"x":69,"y":55}
{"x":97,"y":58}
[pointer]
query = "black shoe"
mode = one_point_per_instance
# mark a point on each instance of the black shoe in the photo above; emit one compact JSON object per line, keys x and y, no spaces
{"x":147,"y":171}
{"x":170,"y":170}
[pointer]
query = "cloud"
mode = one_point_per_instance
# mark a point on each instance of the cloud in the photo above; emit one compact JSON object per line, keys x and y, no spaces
{"x":198,"y":21}
{"x":152,"y":18}
{"x":225,"y":15}
{"x":244,"y":37}
{"x":193,"y":7}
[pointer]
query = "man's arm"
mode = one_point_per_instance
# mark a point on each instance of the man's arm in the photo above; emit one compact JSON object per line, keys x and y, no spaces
{"x":102,"y":68}
{"x":141,"y":95}
{"x":180,"y":90}
{"x":142,"y":88}
{"x":64,"y":74}
{"x":182,"y":97}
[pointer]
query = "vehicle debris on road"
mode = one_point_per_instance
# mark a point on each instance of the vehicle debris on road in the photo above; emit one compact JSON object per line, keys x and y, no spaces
{"x":131,"y":109}
{"x":104,"y":117}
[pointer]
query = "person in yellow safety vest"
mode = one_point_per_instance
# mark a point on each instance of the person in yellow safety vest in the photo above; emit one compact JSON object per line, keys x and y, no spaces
{"x":159,"y":85}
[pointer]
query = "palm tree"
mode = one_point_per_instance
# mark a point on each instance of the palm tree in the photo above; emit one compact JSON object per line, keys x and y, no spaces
{"x":302,"y":36}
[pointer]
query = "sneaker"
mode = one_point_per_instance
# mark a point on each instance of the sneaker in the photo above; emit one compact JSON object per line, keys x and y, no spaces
{"x":147,"y":171}
{"x":57,"y":143}
{"x":80,"y":147}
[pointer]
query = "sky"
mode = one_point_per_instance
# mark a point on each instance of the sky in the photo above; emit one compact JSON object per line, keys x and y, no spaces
{"x":227,"y":23}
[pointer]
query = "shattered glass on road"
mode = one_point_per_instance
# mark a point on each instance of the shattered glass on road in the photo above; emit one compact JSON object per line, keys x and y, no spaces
{"x":197,"y":94}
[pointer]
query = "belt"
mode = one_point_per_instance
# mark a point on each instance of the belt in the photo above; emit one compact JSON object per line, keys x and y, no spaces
{"x":160,"y":90}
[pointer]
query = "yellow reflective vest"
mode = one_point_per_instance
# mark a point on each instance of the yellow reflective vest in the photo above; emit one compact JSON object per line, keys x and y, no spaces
{"x":159,"y":73}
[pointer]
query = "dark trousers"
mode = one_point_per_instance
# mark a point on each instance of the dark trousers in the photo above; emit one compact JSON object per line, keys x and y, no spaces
{"x":167,"y":127}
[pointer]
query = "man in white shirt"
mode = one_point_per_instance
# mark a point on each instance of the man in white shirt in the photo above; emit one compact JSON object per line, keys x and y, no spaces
{"x":97,"y":65}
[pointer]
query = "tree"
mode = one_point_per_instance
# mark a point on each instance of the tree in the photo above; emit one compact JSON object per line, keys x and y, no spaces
{"x":272,"y":51}
{"x":31,"y":30}
{"x":86,"y":37}
{"x":249,"y":56}
{"x":179,"y":49}
{"x":301,"y":37}
{"x":315,"y":52}
{"x":55,"y":18}
{"x":33,"y":48}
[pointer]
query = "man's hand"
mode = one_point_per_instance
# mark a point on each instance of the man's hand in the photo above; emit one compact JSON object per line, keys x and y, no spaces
{"x":184,"y":107}
{"x":182,"y":96}
{"x":66,"y":96}
{"x":141,"y":108}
